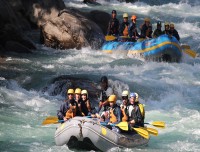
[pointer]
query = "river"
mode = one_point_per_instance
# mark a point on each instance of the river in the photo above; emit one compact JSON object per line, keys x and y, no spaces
{"x":170,"y":91}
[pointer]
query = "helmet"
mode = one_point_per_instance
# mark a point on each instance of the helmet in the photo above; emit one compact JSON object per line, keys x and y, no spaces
{"x":132,"y":94}
{"x":125,"y":93}
{"x":125,"y":15}
{"x":171,"y":25}
{"x":114,"y":12}
{"x":134,"y":17}
{"x":137,"y":97}
{"x":159,"y":23}
{"x":166,"y":23}
{"x":84,"y":92}
{"x":70,"y":91}
{"x":112,"y":98}
{"x":147,"y":19}
{"x":78,"y":91}
{"x":104,"y":79}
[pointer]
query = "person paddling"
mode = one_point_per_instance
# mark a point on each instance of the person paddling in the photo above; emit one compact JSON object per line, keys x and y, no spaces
{"x":173,"y":31}
{"x":136,"y":111}
{"x":113,"y":26}
{"x":68,"y":108}
{"x":158,"y":30}
{"x":86,"y":106}
{"x":124,"y":27}
{"x":106,"y":91}
{"x":133,"y":33}
{"x":145,"y":28}
{"x":124,"y":106}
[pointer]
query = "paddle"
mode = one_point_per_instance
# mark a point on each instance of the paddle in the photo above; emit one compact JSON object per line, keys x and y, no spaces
{"x":110,"y":38}
{"x":159,"y":124}
{"x":54,"y":120}
{"x":187,"y":50}
{"x":48,"y":122}
{"x":142,"y":132}
{"x":151,"y":131}
{"x":124,"y":126}
{"x":121,"y":125}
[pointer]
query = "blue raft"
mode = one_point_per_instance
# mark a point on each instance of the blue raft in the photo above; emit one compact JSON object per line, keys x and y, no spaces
{"x":163,"y":48}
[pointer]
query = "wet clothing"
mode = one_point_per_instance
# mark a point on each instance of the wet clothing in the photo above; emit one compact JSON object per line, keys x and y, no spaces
{"x":133,"y":32}
{"x":123,"y":31}
{"x":157,"y":33}
{"x":175,"y":34}
{"x":144,"y":29}
{"x":113,"y":27}
{"x":79,"y":111}
{"x":65,"y":106}
{"x":104,"y":96}
{"x":149,"y":32}
{"x":86,"y":107}
{"x":136,"y":115}
{"x":115,"y":114}
{"x":166,"y":32}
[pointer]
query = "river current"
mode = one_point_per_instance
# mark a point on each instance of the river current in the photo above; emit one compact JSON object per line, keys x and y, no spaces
{"x":170,"y":91}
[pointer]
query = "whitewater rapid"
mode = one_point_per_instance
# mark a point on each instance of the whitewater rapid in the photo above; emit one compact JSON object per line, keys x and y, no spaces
{"x":170,"y":91}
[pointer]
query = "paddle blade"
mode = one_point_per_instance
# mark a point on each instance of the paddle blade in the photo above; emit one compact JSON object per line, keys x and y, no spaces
{"x":123,"y":125}
{"x":152,"y":131}
{"x":47,"y":122}
{"x":190,"y":53}
{"x":52,"y":118}
{"x":110,"y":38}
{"x":142,"y":132}
{"x":185,"y":46}
{"x":159,"y":124}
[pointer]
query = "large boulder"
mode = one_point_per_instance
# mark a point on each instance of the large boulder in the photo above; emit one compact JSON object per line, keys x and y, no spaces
{"x":61,"y":27}
{"x":101,"y":19}
{"x":70,"y":29}
{"x":12,"y":28}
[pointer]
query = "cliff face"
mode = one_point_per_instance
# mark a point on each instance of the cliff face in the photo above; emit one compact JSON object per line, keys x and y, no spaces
{"x":61,"y":27}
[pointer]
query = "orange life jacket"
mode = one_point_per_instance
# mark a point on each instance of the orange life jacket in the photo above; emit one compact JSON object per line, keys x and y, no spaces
{"x":113,"y":118}
{"x":124,"y":116}
{"x":125,"y":32}
{"x":71,"y":112}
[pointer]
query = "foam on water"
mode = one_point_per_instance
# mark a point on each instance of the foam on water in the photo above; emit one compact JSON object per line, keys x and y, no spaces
{"x":170,"y":91}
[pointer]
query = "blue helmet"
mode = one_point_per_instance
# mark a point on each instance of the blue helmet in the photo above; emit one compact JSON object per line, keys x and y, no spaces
{"x":132,"y":94}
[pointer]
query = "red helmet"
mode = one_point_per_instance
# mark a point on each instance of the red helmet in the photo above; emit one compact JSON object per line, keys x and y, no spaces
{"x":134,"y":17}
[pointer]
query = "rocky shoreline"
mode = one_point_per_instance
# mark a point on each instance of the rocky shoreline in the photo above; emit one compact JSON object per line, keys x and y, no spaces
{"x":60,"y":27}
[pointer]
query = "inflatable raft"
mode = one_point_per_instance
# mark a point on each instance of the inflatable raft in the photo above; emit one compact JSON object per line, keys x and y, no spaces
{"x":86,"y":133}
{"x":163,"y":48}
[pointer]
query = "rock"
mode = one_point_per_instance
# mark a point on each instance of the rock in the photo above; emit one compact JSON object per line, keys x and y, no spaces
{"x":16,"y":47}
{"x":60,"y":27}
{"x":79,"y":32}
{"x":101,"y":19}
{"x":61,"y":84}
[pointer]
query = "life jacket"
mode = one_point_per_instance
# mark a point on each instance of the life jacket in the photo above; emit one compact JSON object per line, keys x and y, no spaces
{"x":71,"y":112}
{"x":141,"y":106}
{"x":113,"y":118}
{"x":125,"y":32}
{"x":124,"y":116}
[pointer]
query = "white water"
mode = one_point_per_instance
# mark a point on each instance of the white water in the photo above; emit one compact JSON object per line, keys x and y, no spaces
{"x":170,"y":91}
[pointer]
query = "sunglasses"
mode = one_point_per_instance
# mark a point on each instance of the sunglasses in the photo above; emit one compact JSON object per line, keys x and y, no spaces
{"x":124,"y":98}
{"x":84,"y":95}
{"x":70,"y":94}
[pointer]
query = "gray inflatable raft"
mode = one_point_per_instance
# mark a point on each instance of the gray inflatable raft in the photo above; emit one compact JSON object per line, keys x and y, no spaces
{"x":86,"y":133}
